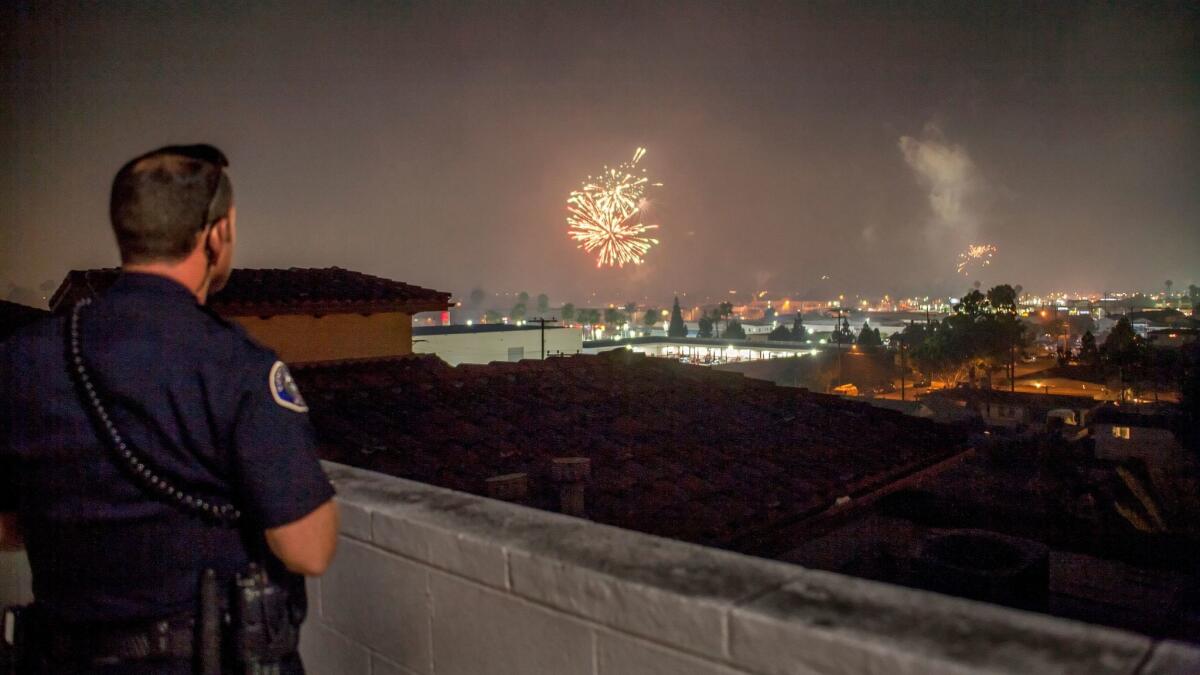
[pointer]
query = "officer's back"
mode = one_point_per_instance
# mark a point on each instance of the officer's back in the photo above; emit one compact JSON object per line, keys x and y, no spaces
{"x":212,"y":419}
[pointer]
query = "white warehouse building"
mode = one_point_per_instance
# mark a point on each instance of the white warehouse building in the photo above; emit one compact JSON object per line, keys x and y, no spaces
{"x":485,"y":343}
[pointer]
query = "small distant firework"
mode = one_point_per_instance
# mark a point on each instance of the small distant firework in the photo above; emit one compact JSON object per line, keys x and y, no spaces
{"x":976,"y":255}
{"x":604,"y":214}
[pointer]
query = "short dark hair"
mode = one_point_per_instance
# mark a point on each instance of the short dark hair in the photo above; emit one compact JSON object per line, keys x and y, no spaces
{"x":161,"y":200}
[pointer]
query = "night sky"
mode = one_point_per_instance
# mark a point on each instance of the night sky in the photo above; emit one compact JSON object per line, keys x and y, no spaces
{"x":436,"y":143}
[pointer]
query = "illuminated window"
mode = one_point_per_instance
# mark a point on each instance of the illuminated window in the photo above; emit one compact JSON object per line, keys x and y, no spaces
{"x":1121,"y":432}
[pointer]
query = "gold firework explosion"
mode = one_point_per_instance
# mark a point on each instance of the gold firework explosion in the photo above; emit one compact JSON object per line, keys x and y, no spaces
{"x":976,"y":255}
{"x":604,"y":215}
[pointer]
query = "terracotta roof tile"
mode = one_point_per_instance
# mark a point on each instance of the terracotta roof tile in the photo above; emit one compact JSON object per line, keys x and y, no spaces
{"x":676,"y":450}
{"x":269,"y":292}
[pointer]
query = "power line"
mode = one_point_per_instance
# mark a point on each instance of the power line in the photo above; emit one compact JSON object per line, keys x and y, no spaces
{"x":542,"y":322}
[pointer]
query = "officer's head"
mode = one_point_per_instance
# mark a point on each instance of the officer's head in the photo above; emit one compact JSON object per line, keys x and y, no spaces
{"x":173,"y":203}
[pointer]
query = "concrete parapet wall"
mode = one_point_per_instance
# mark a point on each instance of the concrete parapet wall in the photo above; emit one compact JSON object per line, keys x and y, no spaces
{"x":428,"y":581}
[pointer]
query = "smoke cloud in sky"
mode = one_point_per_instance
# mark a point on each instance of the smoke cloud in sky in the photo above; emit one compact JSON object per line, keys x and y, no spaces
{"x":435,"y":143}
{"x":953,"y":181}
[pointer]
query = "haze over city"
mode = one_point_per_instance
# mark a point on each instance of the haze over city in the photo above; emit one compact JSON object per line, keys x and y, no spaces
{"x":812,"y":150}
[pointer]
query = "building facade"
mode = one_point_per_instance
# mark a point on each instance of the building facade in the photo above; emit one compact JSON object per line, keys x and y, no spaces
{"x":305,"y":315}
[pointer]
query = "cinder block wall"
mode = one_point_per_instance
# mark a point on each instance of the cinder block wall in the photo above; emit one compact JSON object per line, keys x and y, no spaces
{"x":430,"y":581}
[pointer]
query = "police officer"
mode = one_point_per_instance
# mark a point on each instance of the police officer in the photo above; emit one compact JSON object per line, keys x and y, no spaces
{"x":195,"y":454}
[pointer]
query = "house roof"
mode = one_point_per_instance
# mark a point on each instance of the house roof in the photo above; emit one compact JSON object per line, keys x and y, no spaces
{"x":457,"y":329}
{"x":679,"y":451}
{"x":1158,"y":416}
{"x":706,"y":342}
{"x":1039,"y":401}
{"x":13,"y":316}
{"x":270,"y":292}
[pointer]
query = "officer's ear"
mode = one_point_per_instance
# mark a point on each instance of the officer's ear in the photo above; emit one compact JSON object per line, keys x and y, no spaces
{"x":219,"y":236}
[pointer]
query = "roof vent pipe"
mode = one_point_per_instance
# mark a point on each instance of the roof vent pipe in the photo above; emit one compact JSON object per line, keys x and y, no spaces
{"x":510,"y":487}
{"x":571,"y":474}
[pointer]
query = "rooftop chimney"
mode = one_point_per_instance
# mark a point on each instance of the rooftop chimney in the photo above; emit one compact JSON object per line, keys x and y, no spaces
{"x":511,"y":487}
{"x":571,"y":474}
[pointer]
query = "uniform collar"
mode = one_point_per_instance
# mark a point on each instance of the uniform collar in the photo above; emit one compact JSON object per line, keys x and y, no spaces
{"x":143,"y":283}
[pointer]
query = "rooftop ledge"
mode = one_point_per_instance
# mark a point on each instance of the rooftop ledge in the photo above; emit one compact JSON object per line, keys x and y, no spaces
{"x":428,"y":579}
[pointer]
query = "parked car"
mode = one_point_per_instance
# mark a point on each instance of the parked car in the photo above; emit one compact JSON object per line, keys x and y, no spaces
{"x":921,"y":383}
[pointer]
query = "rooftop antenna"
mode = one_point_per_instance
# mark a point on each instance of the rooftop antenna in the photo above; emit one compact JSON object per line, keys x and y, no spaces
{"x":541,"y":321}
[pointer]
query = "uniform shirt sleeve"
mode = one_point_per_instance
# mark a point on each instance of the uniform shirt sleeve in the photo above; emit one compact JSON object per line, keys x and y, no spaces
{"x":276,"y":473}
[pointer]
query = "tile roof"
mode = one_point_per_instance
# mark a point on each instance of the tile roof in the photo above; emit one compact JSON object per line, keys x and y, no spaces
{"x":676,"y":450}
{"x":1045,"y":401}
{"x":13,"y":316}
{"x":269,"y":292}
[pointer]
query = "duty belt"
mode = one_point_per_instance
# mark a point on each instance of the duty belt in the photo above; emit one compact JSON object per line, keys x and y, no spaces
{"x":100,"y":645}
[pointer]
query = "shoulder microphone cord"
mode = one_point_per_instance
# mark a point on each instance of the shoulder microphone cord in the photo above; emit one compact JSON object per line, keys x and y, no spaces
{"x":223,"y":514}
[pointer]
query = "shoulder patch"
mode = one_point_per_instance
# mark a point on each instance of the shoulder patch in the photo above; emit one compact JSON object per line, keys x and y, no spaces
{"x":284,"y":389}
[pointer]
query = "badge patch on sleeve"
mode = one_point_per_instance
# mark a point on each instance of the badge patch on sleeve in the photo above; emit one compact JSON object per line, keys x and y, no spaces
{"x":284,"y":389}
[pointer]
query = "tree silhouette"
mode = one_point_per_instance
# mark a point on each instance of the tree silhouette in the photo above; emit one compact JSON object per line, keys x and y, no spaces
{"x":677,"y":327}
{"x":869,"y":337}
{"x":1123,"y":351}
{"x":1088,"y":353}
{"x":798,"y":332}
{"x":567,"y":312}
{"x":722,"y":311}
{"x":734,"y":330}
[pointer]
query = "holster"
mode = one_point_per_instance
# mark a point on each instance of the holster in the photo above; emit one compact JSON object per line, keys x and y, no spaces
{"x":253,"y":628}
{"x":266,"y":620}
{"x":17,"y":653}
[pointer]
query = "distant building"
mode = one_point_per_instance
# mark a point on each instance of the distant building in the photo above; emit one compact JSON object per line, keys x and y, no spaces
{"x":1172,"y":337}
{"x":495,"y":342}
{"x":1011,"y":410}
{"x":306,"y":315}
{"x":706,"y":351}
{"x":1121,"y":434}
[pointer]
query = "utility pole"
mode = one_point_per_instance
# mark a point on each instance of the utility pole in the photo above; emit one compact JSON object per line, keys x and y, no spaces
{"x":837,"y":331}
{"x":903,"y":365}
{"x":542,"y":322}
{"x":1012,"y":363}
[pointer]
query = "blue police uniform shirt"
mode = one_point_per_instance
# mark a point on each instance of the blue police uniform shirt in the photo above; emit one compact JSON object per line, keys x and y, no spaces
{"x":215,"y":413}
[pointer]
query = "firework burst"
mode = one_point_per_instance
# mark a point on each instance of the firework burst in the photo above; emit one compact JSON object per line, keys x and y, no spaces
{"x":604,"y":215}
{"x":976,"y":255}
